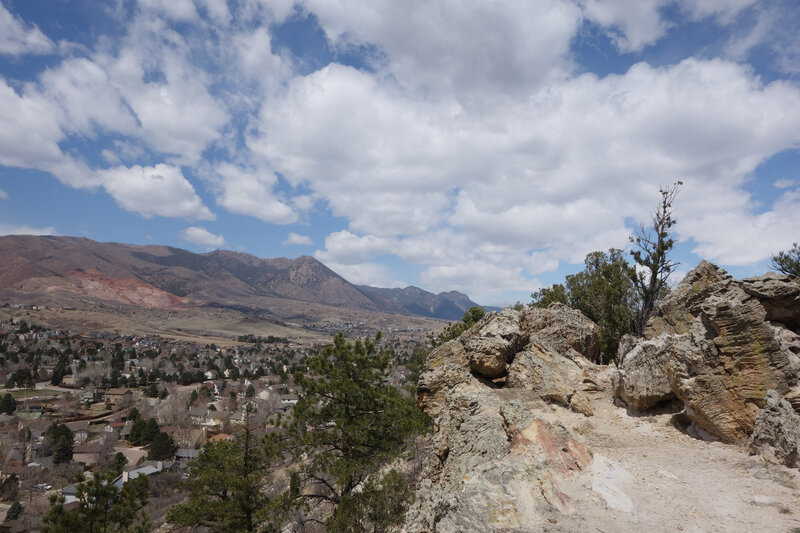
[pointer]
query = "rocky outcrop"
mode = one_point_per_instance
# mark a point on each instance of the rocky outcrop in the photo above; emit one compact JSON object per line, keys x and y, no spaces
{"x":718,"y":344}
{"x":777,"y":432}
{"x":497,"y":465}
{"x":643,"y":377}
{"x":568,"y":332}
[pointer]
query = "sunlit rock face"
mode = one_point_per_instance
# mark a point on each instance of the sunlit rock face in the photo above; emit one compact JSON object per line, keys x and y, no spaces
{"x":498,"y":465}
{"x":718,"y":345}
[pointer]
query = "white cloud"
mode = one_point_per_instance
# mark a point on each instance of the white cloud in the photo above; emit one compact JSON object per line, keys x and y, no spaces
{"x":217,"y":11}
{"x":635,"y":24}
{"x":30,"y":131}
{"x":154,"y":191}
{"x":251,"y":193}
{"x":202,"y":237}
{"x":86,"y":98}
{"x":12,"y":229}
{"x":3,"y":195}
{"x":468,"y":50}
{"x":724,"y":10}
{"x":297,"y":239}
{"x":180,"y":10}
{"x":774,"y":30}
{"x":177,"y":115}
{"x":747,"y":237}
{"x":562,"y":173}
{"x":374,"y":274}
{"x":17,"y":38}
{"x":348,"y":248}
{"x":784,"y":183}
{"x":631,"y":24}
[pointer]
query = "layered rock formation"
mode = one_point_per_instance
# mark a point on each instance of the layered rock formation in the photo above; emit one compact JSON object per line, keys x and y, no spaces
{"x":777,"y":432}
{"x":498,"y":465}
{"x":718,"y":345}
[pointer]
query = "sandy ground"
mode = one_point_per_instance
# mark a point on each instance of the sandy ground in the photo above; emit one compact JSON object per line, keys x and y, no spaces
{"x":648,"y":476}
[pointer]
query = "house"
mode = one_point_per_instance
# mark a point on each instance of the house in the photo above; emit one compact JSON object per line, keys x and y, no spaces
{"x":215,"y":419}
{"x":186,"y":454}
{"x":198,"y":414}
{"x":80,"y":430}
{"x":92,"y":396}
{"x":118,"y":396}
{"x":88,"y":454}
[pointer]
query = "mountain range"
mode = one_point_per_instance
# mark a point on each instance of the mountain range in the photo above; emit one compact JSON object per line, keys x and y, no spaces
{"x":67,"y":268}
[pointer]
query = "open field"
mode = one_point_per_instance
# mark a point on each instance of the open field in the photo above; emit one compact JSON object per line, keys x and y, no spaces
{"x":33,"y":393}
{"x":299,"y":321}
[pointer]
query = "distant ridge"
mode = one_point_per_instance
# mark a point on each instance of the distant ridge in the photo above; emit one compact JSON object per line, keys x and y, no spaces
{"x":447,"y":305}
{"x":66,"y":268}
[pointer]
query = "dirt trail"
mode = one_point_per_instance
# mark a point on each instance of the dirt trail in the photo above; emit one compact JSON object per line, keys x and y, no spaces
{"x":647,"y":476}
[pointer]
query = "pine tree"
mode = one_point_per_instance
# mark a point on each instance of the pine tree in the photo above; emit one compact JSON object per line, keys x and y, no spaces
{"x":226,"y":484}
{"x":651,"y":252}
{"x":348,"y":422}
{"x":787,"y":262}
{"x":162,"y":447}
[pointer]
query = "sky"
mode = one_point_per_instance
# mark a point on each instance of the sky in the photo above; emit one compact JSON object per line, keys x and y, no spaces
{"x":467,"y":145}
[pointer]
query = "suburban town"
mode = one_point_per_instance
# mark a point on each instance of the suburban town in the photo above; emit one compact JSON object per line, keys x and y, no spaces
{"x":81,"y":402}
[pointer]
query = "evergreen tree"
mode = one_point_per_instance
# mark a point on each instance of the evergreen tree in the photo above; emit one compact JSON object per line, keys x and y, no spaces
{"x":250,"y":392}
{"x":118,"y":463}
{"x":348,"y":422}
{"x":605,"y":293}
{"x":14,"y":512}
{"x":452,"y":331}
{"x":102,"y":508}
{"x":651,"y":253}
{"x":787,"y":262}
{"x":162,"y":447}
{"x":226,"y":484}
{"x":8,"y":404}
{"x":548,"y":295}
{"x":61,"y":441}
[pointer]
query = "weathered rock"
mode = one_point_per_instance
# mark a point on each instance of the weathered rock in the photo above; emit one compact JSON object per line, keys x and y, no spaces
{"x":676,"y":313}
{"x":540,"y":369}
{"x":492,"y":343}
{"x":733,"y":358}
{"x":642,"y":380}
{"x":497,"y":465}
{"x":780,"y":296}
{"x":566,"y":330}
{"x":793,"y":397}
{"x":580,"y":404}
{"x":626,"y":344}
{"x":777,"y":432}
{"x":720,"y":345}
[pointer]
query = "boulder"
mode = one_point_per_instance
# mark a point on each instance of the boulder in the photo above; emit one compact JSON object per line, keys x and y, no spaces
{"x":733,"y":357}
{"x":642,"y":380}
{"x":675,"y":314}
{"x":780,"y":296}
{"x":777,"y":432}
{"x":566,"y":330}
{"x":718,"y":345}
{"x":492,"y":343}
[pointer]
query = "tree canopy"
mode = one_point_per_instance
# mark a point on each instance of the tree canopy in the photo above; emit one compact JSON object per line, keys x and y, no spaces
{"x":102,"y":507}
{"x":226,"y":485}
{"x":651,"y":247}
{"x":451,"y":331}
{"x":349,"y":421}
{"x":787,"y":262}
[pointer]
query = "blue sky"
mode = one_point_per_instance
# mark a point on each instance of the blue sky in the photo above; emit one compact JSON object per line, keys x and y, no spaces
{"x":481,"y":147}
